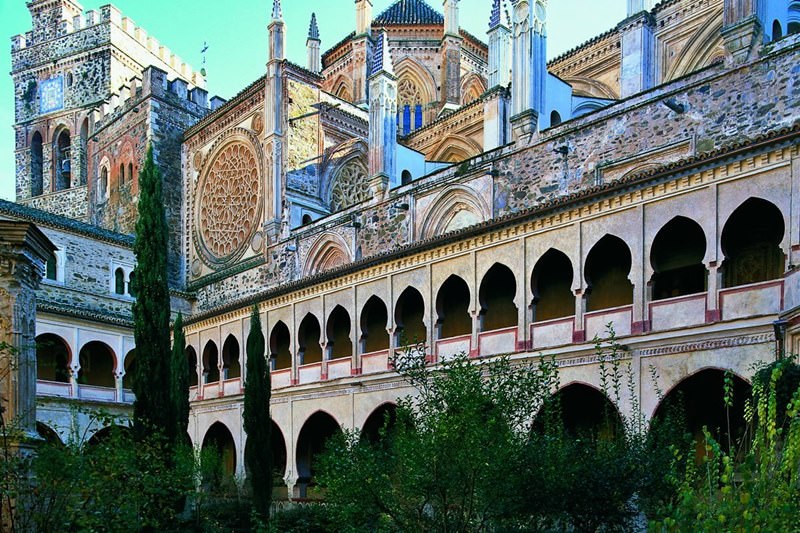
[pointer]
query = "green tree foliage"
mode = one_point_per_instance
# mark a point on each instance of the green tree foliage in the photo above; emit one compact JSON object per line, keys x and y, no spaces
{"x":152,"y":411}
{"x":257,"y":422}
{"x":179,"y":376}
{"x":761,"y":491}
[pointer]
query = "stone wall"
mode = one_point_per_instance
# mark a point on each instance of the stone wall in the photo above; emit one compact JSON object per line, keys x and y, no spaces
{"x":70,"y":203}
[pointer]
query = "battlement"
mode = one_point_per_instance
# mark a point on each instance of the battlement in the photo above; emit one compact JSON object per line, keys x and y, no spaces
{"x":153,"y":82}
{"x":108,"y":14}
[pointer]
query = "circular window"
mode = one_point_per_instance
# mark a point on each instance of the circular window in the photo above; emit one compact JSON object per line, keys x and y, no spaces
{"x":228,"y":206}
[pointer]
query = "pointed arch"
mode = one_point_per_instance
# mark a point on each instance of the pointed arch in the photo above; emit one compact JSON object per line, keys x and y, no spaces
{"x":702,"y":49}
{"x":342,"y":88}
{"x":472,"y":88}
{"x":455,"y":148}
{"x":410,"y":69}
{"x":457,"y":207}
{"x":587,"y":87}
{"x":329,"y":251}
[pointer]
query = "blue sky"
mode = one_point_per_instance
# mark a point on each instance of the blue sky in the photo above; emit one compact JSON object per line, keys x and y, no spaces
{"x":236,"y":33}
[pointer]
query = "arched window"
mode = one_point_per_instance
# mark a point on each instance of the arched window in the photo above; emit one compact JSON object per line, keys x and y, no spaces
{"x":231,"y":366}
{"x":211,"y":363}
{"x":497,"y":291}
{"x":350,"y":186}
{"x":97,"y":365}
{"x":279,"y":342}
{"x":452,"y":309}
{"x":121,"y":176}
{"x":409,"y":105}
{"x":793,"y":20}
{"x":409,"y":313}
{"x":102,"y":186}
{"x":777,"y":31}
{"x":84,"y":148}
{"x":551,"y":284}
{"x":607,"y":267}
{"x":308,"y":347}
{"x":306,"y":219}
{"x":129,"y":176}
{"x":51,"y":267}
{"x":62,"y":162}
{"x":555,"y":118}
{"x":338,"y":333}
{"x":751,"y":243}
{"x":374,"y":317}
{"x":311,"y":442}
{"x":119,"y":281}
{"x":69,"y":79}
{"x":405,"y":177}
{"x":677,"y":259}
{"x":37,"y":169}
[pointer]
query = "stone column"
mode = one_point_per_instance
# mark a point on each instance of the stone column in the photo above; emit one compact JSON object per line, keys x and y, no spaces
{"x":23,"y":252}
{"x":382,"y":121}
{"x":638,"y":53}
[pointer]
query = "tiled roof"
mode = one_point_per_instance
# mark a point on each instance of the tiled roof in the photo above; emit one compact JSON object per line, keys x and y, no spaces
{"x":44,"y":218}
{"x":409,"y":12}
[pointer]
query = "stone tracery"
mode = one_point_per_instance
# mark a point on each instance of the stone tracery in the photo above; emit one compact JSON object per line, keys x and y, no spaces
{"x":350,"y":186}
{"x":229,"y":198}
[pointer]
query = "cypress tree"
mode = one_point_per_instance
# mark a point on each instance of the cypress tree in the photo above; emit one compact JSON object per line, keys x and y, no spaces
{"x":152,"y":411}
{"x":179,"y":375}
{"x":257,"y":422}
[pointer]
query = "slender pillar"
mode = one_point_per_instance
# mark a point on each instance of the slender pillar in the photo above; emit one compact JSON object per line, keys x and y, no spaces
{"x":529,"y":66}
{"x":362,"y":52}
{"x":275,"y":127}
{"x":451,"y":58}
{"x":637,"y":71}
{"x":382,"y":120}
{"x":312,"y":46}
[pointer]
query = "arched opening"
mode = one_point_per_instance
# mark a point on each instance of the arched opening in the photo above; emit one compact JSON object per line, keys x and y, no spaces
{"x":374,"y":317}
{"x":551,"y":284}
{"x":130,"y":370}
{"x":607,"y":267}
{"x":307,"y":219}
{"x":777,"y":31}
{"x":677,"y":259}
{"x":231,"y":367}
{"x":103,"y":435}
{"x":61,"y":159}
{"x":408,"y":315}
{"x":210,"y":363}
{"x":793,"y":20}
{"x":452,"y":309}
{"x":409,"y":104}
{"x":102,"y":186}
{"x":121,"y":175}
{"x":279,"y":342}
{"x":405,"y":177}
{"x":48,"y":434}
{"x":584,"y":412}
{"x":278,"y":446}
{"x":699,"y":401}
{"x":793,"y":28}
{"x":37,"y":165}
{"x":129,"y":175}
{"x":219,"y":445}
{"x":84,"y":155}
{"x":308,"y":347}
{"x":338,"y":334}
{"x":310,"y":443}
{"x":191,"y":363}
{"x":751,"y":244}
{"x":555,"y":118}
{"x":498,"y":288}
{"x":119,"y":281}
{"x":52,"y":358}
{"x":97,"y":365}
{"x":379,"y":423}
{"x":132,"y":284}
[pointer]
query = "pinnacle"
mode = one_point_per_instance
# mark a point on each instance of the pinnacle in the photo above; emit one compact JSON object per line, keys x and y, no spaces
{"x":313,"y":29}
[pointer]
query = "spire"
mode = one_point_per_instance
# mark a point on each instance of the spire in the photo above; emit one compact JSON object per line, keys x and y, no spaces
{"x":276,"y":10}
{"x":313,"y":29}
{"x":494,"y":18}
{"x":381,"y":58}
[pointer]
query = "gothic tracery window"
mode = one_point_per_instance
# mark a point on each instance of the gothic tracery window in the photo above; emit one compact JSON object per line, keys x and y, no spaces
{"x":409,"y":116}
{"x":350,"y":186}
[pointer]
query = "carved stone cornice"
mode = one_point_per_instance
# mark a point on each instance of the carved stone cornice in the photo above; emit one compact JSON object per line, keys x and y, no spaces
{"x":24,"y":250}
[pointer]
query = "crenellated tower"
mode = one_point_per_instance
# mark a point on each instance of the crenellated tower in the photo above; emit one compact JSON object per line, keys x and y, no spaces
{"x":312,"y":46}
{"x":275,"y":120}
{"x":382,"y":119}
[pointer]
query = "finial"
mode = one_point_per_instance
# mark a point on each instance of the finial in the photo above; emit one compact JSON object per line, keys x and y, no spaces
{"x":313,"y":29}
{"x":382,"y":60}
{"x":494,"y":18}
{"x":276,"y":10}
